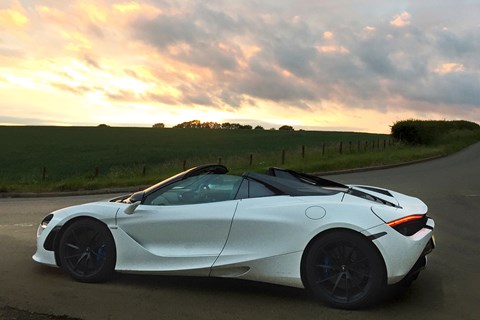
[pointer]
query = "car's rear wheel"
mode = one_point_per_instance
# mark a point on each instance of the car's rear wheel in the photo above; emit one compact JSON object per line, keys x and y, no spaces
{"x":344,"y":270}
{"x":87,"y":251}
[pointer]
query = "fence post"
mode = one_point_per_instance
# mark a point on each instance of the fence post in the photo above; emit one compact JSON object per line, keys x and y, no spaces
{"x":323,"y":149}
{"x":220,"y":160}
{"x":341,"y":147}
{"x":350,"y":146}
{"x":184,"y":165}
{"x":44,"y":173}
{"x":303,"y":151}
{"x":144,"y":171}
{"x":283,"y":156}
{"x":97,"y":172}
{"x":251,"y":159}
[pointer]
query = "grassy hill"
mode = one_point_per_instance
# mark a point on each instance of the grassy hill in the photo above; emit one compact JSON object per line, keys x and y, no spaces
{"x":68,"y":152}
{"x":40,"y":158}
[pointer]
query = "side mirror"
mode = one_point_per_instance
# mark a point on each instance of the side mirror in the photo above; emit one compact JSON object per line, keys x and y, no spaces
{"x":137,"y":196}
{"x":131,"y":208}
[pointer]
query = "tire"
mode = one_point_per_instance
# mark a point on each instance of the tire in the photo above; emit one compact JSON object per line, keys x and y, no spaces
{"x":344,"y":270}
{"x":87,"y":251}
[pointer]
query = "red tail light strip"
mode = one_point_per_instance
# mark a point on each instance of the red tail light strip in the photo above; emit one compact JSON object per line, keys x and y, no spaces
{"x":405,"y":219}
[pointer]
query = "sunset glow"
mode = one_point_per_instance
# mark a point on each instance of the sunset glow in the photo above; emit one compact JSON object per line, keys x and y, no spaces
{"x":320,"y":65}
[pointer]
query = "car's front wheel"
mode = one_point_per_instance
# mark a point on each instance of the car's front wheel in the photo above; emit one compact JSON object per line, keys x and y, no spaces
{"x":344,"y":270}
{"x":87,"y":251}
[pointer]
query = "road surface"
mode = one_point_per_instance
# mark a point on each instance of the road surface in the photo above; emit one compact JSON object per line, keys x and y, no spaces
{"x":448,"y":289}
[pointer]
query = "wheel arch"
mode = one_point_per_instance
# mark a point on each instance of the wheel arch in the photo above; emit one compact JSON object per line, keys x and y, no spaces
{"x":58,"y":236}
{"x":334,"y":230}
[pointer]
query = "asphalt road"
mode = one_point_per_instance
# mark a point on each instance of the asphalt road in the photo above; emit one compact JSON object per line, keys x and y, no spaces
{"x":448,"y":289}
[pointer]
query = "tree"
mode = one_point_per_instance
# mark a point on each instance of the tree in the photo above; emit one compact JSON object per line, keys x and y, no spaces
{"x":286,"y":128}
{"x":194,"y":124}
{"x":258,"y":128}
{"x":159,"y":125}
{"x":210,"y":125}
{"x":230,"y":126}
{"x":226,"y":125}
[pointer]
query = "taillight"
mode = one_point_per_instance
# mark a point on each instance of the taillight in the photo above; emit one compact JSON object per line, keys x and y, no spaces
{"x":409,"y":225}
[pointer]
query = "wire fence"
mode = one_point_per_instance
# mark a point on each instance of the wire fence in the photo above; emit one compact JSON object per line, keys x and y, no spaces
{"x":280,"y":157}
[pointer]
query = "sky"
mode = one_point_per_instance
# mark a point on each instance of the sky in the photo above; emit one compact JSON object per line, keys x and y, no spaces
{"x":312,"y":64}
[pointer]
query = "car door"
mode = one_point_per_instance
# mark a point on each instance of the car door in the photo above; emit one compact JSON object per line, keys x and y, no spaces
{"x":186,"y":225}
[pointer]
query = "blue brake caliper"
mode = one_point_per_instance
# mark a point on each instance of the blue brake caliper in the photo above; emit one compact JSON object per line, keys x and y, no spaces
{"x":326,"y":269}
{"x":101,"y":254}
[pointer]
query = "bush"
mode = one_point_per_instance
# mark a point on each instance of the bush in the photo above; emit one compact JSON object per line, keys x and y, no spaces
{"x":430,"y":131}
{"x":286,"y":128}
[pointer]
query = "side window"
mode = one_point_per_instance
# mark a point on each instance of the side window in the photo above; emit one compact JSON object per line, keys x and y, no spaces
{"x":243,"y":191}
{"x":195,"y":190}
{"x":253,"y":189}
{"x":257,"y":190}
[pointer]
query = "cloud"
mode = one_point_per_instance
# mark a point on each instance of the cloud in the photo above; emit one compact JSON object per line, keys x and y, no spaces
{"x":306,"y":56}
{"x":11,"y":18}
{"x":328,"y":35}
{"x":78,"y":90}
{"x":401,"y":20}
{"x":90,"y":61}
{"x":300,"y":63}
{"x":450,"y":67}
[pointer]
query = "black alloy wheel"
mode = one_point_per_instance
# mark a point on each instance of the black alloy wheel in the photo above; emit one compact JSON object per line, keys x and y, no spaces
{"x":87,"y":251}
{"x":344,"y":270}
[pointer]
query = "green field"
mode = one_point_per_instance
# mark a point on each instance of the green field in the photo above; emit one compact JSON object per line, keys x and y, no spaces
{"x":70,"y":158}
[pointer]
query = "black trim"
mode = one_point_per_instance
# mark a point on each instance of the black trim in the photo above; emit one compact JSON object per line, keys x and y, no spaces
{"x":289,"y":186}
{"x":377,"y":190}
{"x":368,"y":196}
{"x":305,"y":178}
{"x":376,"y":236}
{"x":429,"y":247}
{"x":49,"y":243}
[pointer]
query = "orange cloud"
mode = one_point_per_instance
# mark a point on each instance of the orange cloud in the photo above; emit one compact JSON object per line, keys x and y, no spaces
{"x":134,"y":8}
{"x":52,"y":14}
{"x":401,"y":20}
{"x":328,"y":35}
{"x":332,"y":49}
{"x":76,"y":41}
{"x":449,"y":68}
{"x":12,"y":18}
{"x":94,"y":12}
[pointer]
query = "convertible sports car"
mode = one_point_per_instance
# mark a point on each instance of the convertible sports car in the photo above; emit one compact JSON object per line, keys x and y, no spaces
{"x":345,"y":243}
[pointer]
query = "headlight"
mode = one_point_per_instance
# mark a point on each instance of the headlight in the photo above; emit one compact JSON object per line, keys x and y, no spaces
{"x":44,"y":224}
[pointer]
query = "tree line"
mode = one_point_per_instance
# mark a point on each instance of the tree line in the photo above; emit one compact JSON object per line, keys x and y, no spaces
{"x":197,"y":124}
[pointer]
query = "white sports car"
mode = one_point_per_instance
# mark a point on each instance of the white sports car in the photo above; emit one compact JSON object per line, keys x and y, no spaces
{"x":344,"y":243}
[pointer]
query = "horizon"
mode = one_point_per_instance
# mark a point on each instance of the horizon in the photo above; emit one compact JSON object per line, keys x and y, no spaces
{"x":104,"y":125}
{"x":320,"y":66}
